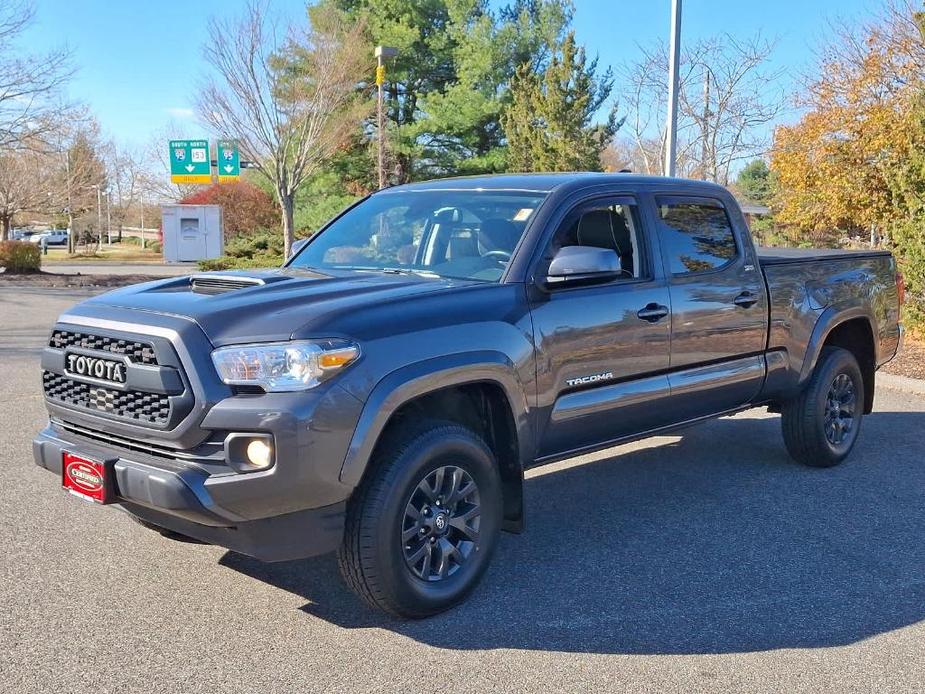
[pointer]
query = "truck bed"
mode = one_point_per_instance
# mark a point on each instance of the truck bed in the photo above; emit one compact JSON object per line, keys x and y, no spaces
{"x":804,"y":283}
{"x":783,"y":256}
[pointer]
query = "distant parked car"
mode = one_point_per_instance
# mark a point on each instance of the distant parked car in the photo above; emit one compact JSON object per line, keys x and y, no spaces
{"x":21,"y":234}
{"x":57,"y":237}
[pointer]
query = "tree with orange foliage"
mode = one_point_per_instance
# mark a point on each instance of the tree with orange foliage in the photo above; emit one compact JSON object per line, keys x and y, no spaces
{"x":849,"y":164}
{"x":245,"y":207}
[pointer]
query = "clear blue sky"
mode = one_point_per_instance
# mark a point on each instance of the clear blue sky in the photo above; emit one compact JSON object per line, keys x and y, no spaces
{"x":140,"y":60}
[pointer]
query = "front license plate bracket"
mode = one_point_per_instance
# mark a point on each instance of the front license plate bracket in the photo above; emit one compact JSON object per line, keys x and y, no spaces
{"x":88,"y":478}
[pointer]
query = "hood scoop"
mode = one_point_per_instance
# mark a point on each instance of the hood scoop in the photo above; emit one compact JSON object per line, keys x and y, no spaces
{"x":220,"y":284}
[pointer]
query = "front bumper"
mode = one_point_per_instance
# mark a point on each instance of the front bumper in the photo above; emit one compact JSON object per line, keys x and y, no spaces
{"x":179,"y":496}
{"x":171,"y":470}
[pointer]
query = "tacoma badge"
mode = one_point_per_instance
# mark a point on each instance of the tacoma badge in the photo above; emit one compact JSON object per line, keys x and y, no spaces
{"x":583,"y":380}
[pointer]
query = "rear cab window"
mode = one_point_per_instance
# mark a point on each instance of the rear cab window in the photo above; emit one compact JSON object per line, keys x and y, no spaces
{"x":696,"y":235}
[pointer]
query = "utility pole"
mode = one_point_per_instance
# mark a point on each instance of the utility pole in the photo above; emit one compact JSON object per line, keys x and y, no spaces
{"x":674,"y":51}
{"x":141,"y":194}
{"x":382,"y":53}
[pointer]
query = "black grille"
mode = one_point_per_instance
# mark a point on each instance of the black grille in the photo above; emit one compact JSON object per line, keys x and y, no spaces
{"x":153,"y":408}
{"x":138,"y":352}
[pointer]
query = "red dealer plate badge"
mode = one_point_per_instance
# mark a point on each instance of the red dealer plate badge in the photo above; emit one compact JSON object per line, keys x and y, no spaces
{"x":85,"y":478}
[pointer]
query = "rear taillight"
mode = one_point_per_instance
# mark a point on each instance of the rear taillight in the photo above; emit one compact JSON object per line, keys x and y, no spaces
{"x":901,"y":288}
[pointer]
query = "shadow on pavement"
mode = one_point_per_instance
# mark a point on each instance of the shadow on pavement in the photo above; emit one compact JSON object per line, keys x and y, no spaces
{"x":713,"y":542}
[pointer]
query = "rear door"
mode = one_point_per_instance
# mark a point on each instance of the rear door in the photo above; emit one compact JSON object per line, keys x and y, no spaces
{"x":719,"y":305}
{"x":602,"y":349}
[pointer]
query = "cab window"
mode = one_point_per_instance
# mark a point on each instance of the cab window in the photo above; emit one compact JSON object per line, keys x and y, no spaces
{"x":696,"y":237}
{"x":606,"y":225}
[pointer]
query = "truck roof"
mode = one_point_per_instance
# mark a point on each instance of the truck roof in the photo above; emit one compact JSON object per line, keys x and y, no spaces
{"x":547,"y":182}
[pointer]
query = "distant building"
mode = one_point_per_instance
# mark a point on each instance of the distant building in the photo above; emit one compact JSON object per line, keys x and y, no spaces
{"x":753,"y":210}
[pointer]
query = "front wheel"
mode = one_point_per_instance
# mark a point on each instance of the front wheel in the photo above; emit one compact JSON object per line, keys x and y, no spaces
{"x":821,"y":425}
{"x":422,"y":527}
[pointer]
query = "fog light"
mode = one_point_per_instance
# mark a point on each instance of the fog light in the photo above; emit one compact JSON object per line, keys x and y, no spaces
{"x":249,"y":452}
{"x":259,"y":453}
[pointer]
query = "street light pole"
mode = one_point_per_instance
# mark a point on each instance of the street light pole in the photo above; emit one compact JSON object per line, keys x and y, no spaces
{"x":674,"y":50}
{"x":71,"y":241}
{"x":382,"y":53}
{"x":99,"y":214}
{"x":108,"y":218}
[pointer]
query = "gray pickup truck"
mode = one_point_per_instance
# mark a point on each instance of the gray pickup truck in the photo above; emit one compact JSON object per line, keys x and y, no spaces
{"x":382,"y":394}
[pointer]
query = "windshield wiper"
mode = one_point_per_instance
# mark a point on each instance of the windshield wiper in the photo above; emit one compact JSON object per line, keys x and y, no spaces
{"x":406,"y":271}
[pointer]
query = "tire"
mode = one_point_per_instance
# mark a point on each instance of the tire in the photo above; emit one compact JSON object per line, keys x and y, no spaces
{"x":384,"y":556}
{"x":813,"y":433}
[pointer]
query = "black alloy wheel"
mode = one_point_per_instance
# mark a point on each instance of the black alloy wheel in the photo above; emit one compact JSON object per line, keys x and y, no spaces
{"x":441,"y":523}
{"x":840,"y":406}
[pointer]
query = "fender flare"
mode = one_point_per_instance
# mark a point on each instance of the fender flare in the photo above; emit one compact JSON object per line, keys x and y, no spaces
{"x":830,"y":319}
{"x":412,"y":381}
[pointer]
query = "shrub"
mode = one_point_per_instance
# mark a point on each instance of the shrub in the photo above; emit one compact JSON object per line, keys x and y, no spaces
{"x":20,"y":256}
{"x":226,"y":262}
{"x":261,"y":242}
{"x":261,"y":249}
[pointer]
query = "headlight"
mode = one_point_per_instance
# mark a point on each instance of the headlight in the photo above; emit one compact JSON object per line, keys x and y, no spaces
{"x":283,"y":366}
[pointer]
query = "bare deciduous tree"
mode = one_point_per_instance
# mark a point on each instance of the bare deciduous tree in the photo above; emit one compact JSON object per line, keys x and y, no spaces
{"x":290,"y":103}
{"x":26,"y":181}
{"x":80,"y":173}
{"x":727,"y":100}
{"x":29,"y":84}
{"x":126,"y":183}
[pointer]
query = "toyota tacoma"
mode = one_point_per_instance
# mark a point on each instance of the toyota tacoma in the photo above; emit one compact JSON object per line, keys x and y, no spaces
{"x":382,"y":393}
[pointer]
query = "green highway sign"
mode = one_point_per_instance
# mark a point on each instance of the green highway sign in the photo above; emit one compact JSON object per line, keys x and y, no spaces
{"x":228,"y":160}
{"x":190,"y":162}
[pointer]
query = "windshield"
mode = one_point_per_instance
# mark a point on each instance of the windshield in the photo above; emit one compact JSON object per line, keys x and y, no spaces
{"x":447,"y":233}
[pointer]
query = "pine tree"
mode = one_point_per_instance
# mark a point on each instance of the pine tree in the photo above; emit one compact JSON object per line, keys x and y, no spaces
{"x":549,"y":124}
{"x":754,"y":182}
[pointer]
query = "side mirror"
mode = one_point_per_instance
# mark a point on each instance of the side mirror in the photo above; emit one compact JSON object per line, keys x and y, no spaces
{"x":297,"y":246}
{"x":583,"y":263}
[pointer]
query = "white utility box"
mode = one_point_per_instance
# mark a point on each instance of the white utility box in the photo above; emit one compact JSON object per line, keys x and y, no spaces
{"x":192,"y":232}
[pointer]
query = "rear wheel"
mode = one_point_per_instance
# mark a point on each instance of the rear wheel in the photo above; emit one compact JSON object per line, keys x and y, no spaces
{"x":422,"y":527}
{"x":821,"y":425}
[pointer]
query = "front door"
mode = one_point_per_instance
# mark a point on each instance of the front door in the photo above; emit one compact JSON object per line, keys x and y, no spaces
{"x":600,"y":346}
{"x":719,"y":306}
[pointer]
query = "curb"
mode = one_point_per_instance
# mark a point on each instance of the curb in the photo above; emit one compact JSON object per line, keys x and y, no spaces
{"x":903,"y":383}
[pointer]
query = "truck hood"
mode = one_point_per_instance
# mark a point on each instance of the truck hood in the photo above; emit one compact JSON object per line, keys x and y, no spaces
{"x":266,"y":305}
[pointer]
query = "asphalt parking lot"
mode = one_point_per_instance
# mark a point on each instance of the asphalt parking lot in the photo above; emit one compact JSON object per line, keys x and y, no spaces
{"x":706,"y":561}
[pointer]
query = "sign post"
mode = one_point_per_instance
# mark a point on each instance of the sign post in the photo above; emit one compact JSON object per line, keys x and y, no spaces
{"x":190,"y":162}
{"x":229,"y":161}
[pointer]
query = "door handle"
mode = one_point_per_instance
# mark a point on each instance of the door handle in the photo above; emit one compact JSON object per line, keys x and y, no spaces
{"x":652,"y":312}
{"x":746,"y":299}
